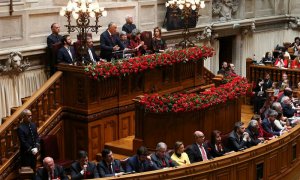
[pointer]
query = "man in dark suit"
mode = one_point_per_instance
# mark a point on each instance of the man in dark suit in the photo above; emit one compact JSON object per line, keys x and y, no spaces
{"x":83,"y":169}
{"x":268,"y":123}
{"x":91,"y":55}
{"x":198,"y":151}
{"x":141,"y":162}
{"x":50,"y":171}
{"x":110,"y":42}
{"x":66,"y":54}
{"x":287,"y":107}
{"x":238,"y":139}
{"x":267,"y":81}
{"x":252,"y":130}
{"x":54,"y":37}
{"x":128,"y":26}
{"x":109,"y":166}
{"x":29,"y":140}
{"x":161,"y":158}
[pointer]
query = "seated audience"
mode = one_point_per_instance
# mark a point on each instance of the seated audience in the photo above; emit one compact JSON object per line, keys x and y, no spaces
{"x":283,"y":79}
{"x":136,"y":43}
{"x":253,"y":132}
{"x":239,"y":139}
{"x":268,"y":59}
{"x":268,"y":124}
{"x":216,"y":146}
{"x":50,"y":171}
{"x":161,"y":157}
{"x":179,"y":156}
{"x":282,"y":61}
{"x":275,"y":88}
{"x":224,"y":69}
{"x":261,"y":132}
{"x":158,"y":44}
{"x":66,"y":54}
{"x":296,"y":63}
{"x":141,"y":162}
{"x":109,"y":166}
{"x":54,"y":37}
{"x":198,"y":151}
{"x":296,"y":46}
{"x":110,"y":43}
{"x":83,"y":169}
{"x":260,"y":96}
{"x":128,"y":27}
{"x":280,"y":118}
{"x":267,"y":81}
{"x":91,"y":56}
{"x":124,"y":40}
{"x":231,"y":71}
{"x":288,"y":109}
{"x":286,"y":92}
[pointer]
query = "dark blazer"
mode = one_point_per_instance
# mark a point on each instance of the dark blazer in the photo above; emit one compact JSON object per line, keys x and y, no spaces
{"x":27,"y":142}
{"x":91,"y":171}
{"x":133,"y":164}
{"x":268,"y":83}
{"x":107,"y":43}
{"x":158,"y":162}
{"x":64,"y":57}
{"x":52,"y":39}
{"x":253,"y":136}
{"x":215,"y":152}
{"x":96,"y":58}
{"x":128,"y":28}
{"x":236,"y":143}
{"x":194,"y":153}
{"x":287,"y":110}
{"x":103,"y":168}
{"x":270,"y":127}
{"x":42,"y":173}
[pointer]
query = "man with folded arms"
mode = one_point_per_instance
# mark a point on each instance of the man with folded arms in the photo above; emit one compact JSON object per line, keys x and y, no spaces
{"x":83,"y":169}
{"x":29,"y":140}
{"x":198,"y":151}
{"x":140,"y":162}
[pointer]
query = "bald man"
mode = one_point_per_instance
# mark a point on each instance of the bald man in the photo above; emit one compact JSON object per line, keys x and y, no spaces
{"x":198,"y":151}
{"x":50,"y":171}
{"x":29,"y":140}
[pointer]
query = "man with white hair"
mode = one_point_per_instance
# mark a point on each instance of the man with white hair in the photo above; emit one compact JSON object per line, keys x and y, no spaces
{"x":288,"y":108}
{"x":161,"y":157}
{"x":128,"y":26}
{"x":198,"y":151}
{"x":50,"y":171}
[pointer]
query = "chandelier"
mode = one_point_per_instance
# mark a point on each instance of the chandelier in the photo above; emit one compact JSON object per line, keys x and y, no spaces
{"x":83,"y":11}
{"x":187,"y":9}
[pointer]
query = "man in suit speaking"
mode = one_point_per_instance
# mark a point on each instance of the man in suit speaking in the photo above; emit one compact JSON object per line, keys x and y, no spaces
{"x":110,"y":42}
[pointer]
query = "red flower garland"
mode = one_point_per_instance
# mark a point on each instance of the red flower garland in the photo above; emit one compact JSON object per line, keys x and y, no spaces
{"x":142,"y":63}
{"x":181,"y":102}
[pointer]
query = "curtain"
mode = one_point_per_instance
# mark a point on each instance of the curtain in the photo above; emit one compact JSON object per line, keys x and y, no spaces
{"x":212,"y":63}
{"x":13,"y":88}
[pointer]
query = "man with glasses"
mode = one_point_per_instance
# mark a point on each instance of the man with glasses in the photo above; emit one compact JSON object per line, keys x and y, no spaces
{"x":198,"y":151}
{"x":29,"y":140}
{"x":161,"y":157}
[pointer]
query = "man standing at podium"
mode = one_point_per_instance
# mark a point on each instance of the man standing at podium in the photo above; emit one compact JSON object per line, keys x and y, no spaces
{"x":29,"y":140}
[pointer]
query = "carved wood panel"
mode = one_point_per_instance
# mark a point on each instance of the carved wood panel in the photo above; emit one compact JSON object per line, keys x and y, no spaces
{"x":126,"y":124}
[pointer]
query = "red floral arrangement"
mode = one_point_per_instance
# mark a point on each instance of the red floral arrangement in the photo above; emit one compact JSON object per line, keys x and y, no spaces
{"x":142,"y":63}
{"x":182,"y":102}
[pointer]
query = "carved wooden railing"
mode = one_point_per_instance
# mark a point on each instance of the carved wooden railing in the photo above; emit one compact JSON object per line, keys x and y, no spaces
{"x":256,"y":71}
{"x":275,"y":159}
{"x":45,"y":105}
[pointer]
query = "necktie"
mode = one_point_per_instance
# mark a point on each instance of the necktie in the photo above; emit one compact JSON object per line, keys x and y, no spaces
{"x":112,"y":39}
{"x":91,"y":55}
{"x":163,"y":163}
{"x":203,"y":153}
{"x":111,"y":171}
{"x":69,"y":51}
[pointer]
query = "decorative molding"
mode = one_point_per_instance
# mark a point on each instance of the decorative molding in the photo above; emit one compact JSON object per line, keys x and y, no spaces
{"x":15,"y":64}
{"x":225,"y":9}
